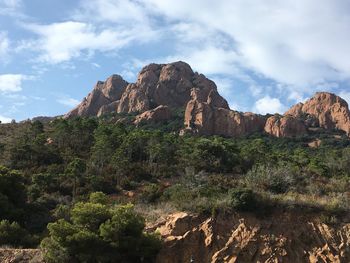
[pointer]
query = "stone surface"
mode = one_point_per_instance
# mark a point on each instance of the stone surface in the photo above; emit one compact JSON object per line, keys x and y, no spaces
{"x":238,"y":238}
{"x":159,"y":114}
{"x":165,"y":84}
{"x":21,"y":255}
{"x":208,"y":116}
{"x":104,"y":93}
{"x":325,"y":110}
{"x":285,"y":126}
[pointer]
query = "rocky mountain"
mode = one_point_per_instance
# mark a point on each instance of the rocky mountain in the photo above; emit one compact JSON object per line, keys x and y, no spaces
{"x":161,"y":88}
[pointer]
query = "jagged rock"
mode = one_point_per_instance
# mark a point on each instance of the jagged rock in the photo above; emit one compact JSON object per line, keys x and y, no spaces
{"x":104,"y":93}
{"x":237,"y":238}
{"x":325,"y":110}
{"x":285,"y":126}
{"x":161,"y":113}
{"x":165,"y":84}
{"x":176,"y":86}
{"x":213,"y":117}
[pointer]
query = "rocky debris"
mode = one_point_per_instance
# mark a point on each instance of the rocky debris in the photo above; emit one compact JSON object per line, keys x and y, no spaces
{"x":285,"y":126}
{"x":21,"y":255}
{"x":211,"y":115}
{"x":245,"y":238}
{"x":104,"y":93}
{"x":325,"y":110}
{"x":159,"y":114}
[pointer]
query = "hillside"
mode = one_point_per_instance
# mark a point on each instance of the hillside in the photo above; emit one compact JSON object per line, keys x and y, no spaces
{"x":162,"y":170}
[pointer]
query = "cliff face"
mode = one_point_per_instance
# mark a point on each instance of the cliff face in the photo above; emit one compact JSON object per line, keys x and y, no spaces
{"x":245,"y":238}
{"x":209,"y":116}
{"x":325,"y":110}
{"x":162,"y":87}
{"x":285,"y":126}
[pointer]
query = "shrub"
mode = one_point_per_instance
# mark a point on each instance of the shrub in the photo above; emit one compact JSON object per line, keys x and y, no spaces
{"x":274,"y":179}
{"x":100,"y":233}
{"x":13,"y":234}
{"x":151,"y":193}
{"x":243,"y":199}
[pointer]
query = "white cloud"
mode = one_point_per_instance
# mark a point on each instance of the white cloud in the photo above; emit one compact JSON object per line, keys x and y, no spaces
{"x":61,"y":42}
{"x":4,"y":119}
{"x":67,"y":101}
{"x":95,"y":65}
{"x":11,"y":82}
{"x":296,"y":42}
{"x":11,"y":8}
{"x":120,"y":11}
{"x":269,"y":105}
{"x":10,"y":3}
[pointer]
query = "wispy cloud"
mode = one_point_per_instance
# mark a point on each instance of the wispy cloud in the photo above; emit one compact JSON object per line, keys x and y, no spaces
{"x":4,"y":46}
{"x":68,"y":101}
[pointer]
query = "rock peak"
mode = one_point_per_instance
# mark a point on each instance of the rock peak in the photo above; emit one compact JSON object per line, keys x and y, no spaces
{"x":160,"y":88}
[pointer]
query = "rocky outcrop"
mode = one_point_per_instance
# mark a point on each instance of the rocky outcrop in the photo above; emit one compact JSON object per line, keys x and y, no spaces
{"x":161,"y":88}
{"x":159,"y":114}
{"x":245,"y":238}
{"x":210,"y":115}
{"x":325,"y":110}
{"x":103,"y":94}
{"x":166,"y":84}
{"x":285,"y":126}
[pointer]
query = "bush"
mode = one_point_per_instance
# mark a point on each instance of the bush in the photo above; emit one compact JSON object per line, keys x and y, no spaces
{"x":13,"y":234}
{"x":151,"y":193}
{"x":97,"y":232}
{"x":276,"y":180}
{"x":243,"y":199}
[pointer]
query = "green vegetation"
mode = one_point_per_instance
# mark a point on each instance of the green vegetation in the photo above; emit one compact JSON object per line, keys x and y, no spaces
{"x":49,"y":172}
{"x":98,"y":232}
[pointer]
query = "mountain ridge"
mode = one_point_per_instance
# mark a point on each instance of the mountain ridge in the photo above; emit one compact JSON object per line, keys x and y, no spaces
{"x":161,"y":87}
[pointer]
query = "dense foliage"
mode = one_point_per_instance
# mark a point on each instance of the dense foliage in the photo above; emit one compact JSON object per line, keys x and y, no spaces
{"x":49,"y":170}
{"x":98,"y":232}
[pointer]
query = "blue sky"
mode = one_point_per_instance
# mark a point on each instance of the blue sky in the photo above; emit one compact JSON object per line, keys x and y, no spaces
{"x":264,"y":55}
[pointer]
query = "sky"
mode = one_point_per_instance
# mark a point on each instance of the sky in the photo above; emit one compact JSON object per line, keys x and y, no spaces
{"x":264,"y":56}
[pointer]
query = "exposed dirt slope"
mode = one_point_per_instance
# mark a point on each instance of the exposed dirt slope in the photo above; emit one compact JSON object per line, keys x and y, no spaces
{"x":245,"y":238}
{"x":20,"y":256}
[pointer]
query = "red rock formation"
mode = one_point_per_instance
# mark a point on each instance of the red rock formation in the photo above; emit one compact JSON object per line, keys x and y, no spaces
{"x":169,"y":85}
{"x":285,"y":126}
{"x":213,"y":117}
{"x":104,"y":93}
{"x":327,"y":111}
{"x":175,"y":85}
{"x":161,"y":113}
